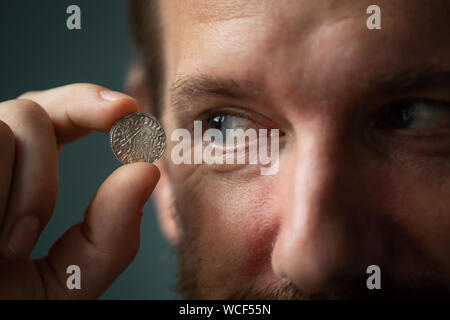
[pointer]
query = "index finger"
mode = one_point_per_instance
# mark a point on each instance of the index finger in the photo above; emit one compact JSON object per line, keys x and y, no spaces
{"x":77,"y":109}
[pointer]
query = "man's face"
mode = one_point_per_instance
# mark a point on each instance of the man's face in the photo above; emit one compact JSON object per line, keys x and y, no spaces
{"x":364,"y":171}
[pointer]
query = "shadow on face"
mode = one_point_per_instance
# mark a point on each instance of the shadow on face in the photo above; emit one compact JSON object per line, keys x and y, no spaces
{"x":364,"y":170}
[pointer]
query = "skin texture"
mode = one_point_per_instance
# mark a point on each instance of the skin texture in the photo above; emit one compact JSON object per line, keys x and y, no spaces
{"x":33,"y":129}
{"x":349,"y":192}
{"x":354,"y":188}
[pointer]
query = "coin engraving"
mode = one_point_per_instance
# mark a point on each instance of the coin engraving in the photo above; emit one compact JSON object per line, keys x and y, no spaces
{"x":137,"y":137}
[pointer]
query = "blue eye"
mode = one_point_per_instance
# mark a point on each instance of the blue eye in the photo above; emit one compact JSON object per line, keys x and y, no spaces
{"x":223,"y":122}
{"x":232,"y":126}
{"x":419,"y":114}
{"x":216,"y":122}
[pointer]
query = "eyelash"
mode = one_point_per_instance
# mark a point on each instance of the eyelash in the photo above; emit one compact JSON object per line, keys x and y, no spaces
{"x":234,"y":111}
{"x":390,"y":112}
{"x":378,"y":120}
{"x":397,"y":140}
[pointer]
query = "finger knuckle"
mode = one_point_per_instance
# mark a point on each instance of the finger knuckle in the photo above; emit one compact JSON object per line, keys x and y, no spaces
{"x":6,"y":136}
{"x":28,"y":94}
{"x":31,"y":111}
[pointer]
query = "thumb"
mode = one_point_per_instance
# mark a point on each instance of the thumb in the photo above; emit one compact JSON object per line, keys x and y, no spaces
{"x":106,"y":242}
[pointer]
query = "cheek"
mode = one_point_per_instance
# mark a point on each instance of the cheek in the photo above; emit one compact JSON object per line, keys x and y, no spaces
{"x":259,"y":242}
{"x":236,"y":225}
{"x":426,"y":215}
{"x":416,"y":200}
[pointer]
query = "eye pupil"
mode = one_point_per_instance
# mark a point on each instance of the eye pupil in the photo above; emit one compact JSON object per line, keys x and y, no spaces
{"x":408,"y":114}
{"x":417,"y":114}
{"x":401,"y":116}
{"x":216,"y":122}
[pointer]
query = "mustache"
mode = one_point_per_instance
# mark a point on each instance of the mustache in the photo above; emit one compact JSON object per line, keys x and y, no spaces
{"x":426,"y":284}
{"x":350,"y":290}
{"x":279,"y":290}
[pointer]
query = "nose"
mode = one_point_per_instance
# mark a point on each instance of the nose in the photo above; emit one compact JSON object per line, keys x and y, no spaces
{"x":322,"y":228}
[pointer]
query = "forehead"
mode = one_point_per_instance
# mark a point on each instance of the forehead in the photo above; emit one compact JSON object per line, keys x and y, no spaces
{"x":189,"y":16}
{"x":221,"y":37}
{"x":210,"y":11}
{"x":222,"y":24}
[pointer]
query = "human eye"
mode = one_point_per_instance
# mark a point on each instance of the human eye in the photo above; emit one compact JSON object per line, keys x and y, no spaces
{"x":239,"y":138}
{"x":226,"y":122}
{"x":416,"y":125}
{"x":417,"y":115}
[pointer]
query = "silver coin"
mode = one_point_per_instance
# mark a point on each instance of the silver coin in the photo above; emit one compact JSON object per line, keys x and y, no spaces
{"x":137,"y":137}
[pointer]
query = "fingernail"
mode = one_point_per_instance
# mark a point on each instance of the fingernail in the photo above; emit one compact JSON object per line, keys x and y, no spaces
{"x":112,"y":95}
{"x":24,"y":235}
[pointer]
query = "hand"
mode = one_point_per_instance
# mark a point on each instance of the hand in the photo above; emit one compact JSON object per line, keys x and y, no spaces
{"x":32,"y":130}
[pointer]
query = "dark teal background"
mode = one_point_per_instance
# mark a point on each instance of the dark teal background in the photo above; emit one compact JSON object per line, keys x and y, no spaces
{"x":38,"y":52}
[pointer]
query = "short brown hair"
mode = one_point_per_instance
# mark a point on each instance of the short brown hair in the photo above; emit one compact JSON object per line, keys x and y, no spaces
{"x":146,"y":29}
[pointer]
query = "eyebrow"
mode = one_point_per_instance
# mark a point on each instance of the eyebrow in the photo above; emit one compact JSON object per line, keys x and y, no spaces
{"x":218,"y":86}
{"x":422,"y":79}
{"x":186,"y":90}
